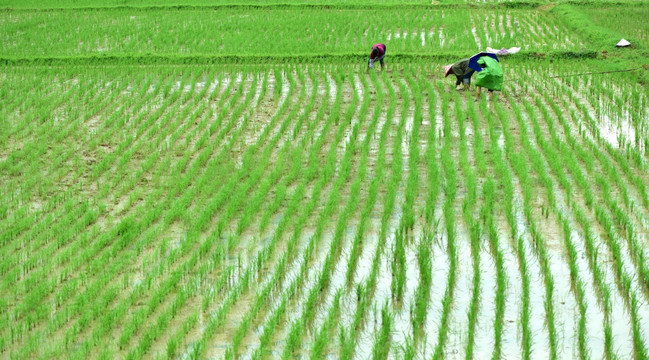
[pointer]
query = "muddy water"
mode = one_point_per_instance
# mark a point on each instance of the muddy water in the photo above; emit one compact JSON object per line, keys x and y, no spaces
{"x":402,"y":316}
{"x":458,"y":321}
{"x":594,"y":312}
{"x":620,"y":316}
{"x":439,"y":281}
{"x":484,"y":331}
{"x":382,"y":293}
{"x":564,"y":305}
{"x":537,"y":287}
{"x":616,"y":130}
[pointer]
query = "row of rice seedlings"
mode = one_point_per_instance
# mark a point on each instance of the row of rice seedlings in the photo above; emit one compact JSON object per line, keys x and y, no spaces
{"x":624,"y":221}
{"x":278,"y":171}
{"x":163,"y":319}
{"x":391,"y":183}
{"x":420,"y":290}
{"x":22,"y":217}
{"x":569,"y":161}
{"x":381,"y":347}
{"x":433,"y":30}
{"x":16,"y":218}
{"x":520,"y":253}
{"x":621,"y":215}
{"x":37,"y":245}
{"x":254,"y":175}
{"x":373,"y":186}
{"x":273,"y":319}
{"x":323,"y":337}
{"x":519,"y":165}
{"x":424,"y":260}
{"x":620,"y":159}
{"x":349,"y":336}
{"x":234,"y":291}
{"x":296,"y":169}
{"x":145,"y":218}
{"x":323,"y":276}
{"x":264,"y":254}
{"x":217,"y":199}
{"x":468,"y":209}
{"x":159,"y":295}
{"x":355,"y":187}
{"x":422,"y":293}
{"x":450,"y":191}
{"x":580,"y":217}
{"x":431,"y":155}
{"x":398,"y":261}
{"x":209,"y":297}
{"x":412,"y":182}
{"x":263,"y":294}
{"x":487,"y":211}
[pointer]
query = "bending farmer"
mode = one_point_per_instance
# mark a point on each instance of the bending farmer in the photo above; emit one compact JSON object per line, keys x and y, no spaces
{"x":462,"y":72}
{"x":490,"y":77}
{"x":377,"y":54}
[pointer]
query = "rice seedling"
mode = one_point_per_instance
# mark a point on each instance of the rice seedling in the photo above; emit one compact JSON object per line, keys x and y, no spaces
{"x":381,"y":348}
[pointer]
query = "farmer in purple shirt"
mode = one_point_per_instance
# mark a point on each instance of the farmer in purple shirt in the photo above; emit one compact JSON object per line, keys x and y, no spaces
{"x":377,"y":54}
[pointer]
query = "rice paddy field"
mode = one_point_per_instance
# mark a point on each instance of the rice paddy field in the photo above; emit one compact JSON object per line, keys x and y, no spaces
{"x":189,"y":179}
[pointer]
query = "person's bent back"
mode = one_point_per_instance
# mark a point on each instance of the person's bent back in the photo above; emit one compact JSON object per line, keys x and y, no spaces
{"x":377,"y":54}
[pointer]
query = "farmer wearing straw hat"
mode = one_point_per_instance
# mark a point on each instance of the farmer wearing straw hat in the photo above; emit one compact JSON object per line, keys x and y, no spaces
{"x":462,"y":72}
{"x":377,"y":54}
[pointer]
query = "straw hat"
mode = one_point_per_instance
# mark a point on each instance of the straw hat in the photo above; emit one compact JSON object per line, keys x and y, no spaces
{"x":447,"y":70}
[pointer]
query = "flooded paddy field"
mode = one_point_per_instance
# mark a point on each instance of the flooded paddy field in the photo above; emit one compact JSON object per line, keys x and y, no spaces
{"x":258,"y":193}
{"x":318,"y":211}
